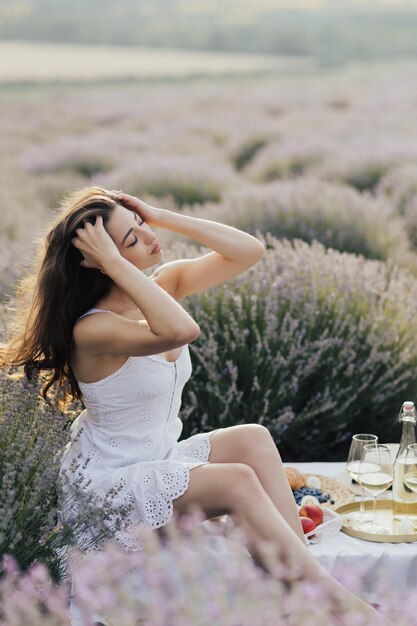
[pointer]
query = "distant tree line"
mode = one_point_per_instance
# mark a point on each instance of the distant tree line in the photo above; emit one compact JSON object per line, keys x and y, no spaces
{"x":332,"y":36}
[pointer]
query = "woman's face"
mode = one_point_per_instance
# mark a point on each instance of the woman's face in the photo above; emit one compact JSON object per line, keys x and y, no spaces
{"x":133,"y":237}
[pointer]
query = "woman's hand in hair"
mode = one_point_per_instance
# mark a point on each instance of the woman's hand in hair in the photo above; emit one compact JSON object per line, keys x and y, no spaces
{"x":95,"y":244}
{"x":147,"y":212}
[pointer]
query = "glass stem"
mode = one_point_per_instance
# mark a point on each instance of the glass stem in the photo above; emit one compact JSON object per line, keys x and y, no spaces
{"x":374,"y":509}
{"x":362,"y":506}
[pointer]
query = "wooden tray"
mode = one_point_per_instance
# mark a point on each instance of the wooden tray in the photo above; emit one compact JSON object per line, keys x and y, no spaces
{"x":385,"y":515}
{"x":338,"y":492}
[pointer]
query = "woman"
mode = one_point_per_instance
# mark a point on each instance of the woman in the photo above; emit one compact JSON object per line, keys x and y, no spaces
{"x":118,"y":340}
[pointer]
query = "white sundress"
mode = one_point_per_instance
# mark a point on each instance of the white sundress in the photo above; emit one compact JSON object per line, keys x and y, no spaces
{"x":126,"y":439}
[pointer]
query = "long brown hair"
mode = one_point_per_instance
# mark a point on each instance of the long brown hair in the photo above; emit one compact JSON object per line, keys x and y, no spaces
{"x":60,"y":290}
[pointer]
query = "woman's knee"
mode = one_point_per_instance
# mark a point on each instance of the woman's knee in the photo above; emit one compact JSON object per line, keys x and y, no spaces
{"x":216,"y":488}
{"x":256,"y":441}
{"x":244,"y":484}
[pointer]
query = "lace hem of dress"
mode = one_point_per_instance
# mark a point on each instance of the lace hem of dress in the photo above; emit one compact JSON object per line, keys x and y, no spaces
{"x":159,"y":509}
{"x":149,"y":493}
{"x":144,"y":495}
{"x":159,"y":512}
{"x":198,"y":446}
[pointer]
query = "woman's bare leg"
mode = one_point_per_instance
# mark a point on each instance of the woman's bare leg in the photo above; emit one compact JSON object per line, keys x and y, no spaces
{"x":253,"y":445}
{"x":234,"y":488}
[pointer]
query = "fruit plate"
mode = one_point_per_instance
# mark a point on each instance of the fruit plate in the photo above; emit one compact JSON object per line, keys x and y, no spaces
{"x":339,"y":493}
{"x":331,"y":525}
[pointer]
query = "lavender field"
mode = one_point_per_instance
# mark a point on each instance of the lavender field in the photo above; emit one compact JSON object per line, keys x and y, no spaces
{"x":325,"y":159}
{"x":316,"y":341}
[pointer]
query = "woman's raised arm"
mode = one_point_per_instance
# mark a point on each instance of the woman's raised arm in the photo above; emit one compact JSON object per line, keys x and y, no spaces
{"x":167,"y":324}
{"x":234,"y":250}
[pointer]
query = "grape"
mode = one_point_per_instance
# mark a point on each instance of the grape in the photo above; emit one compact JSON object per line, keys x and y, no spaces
{"x":311,"y":491}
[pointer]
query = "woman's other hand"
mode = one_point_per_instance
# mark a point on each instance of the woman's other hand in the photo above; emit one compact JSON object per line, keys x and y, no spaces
{"x":95,"y":244}
{"x":147,"y":212}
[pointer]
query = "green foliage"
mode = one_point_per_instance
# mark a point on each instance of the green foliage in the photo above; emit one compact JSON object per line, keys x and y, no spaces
{"x":87,"y":167}
{"x":368,"y":178}
{"x":360,"y":171}
{"x":181,"y":191}
{"x":285,"y":167}
{"x":246,"y":151}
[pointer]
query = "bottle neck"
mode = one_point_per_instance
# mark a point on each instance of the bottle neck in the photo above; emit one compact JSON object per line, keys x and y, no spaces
{"x":408,"y":435}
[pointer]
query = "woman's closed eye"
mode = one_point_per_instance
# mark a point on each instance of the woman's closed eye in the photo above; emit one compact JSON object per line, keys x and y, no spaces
{"x":140,"y":224}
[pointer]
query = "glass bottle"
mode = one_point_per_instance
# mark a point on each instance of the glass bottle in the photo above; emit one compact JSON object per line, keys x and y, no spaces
{"x":404,"y":500}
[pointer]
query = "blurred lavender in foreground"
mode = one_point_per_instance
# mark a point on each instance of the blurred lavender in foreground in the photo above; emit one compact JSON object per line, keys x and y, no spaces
{"x":189,"y":577}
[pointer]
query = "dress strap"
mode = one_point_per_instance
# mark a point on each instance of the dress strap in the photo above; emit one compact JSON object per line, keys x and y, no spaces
{"x":90,"y":311}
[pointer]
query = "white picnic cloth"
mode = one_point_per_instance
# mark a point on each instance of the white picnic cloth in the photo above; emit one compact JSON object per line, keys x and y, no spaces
{"x":396,"y":562}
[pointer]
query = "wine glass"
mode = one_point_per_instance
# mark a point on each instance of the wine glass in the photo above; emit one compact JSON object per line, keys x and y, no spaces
{"x":375,"y":476}
{"x":357,"y":445}
{"x":410,"y":468}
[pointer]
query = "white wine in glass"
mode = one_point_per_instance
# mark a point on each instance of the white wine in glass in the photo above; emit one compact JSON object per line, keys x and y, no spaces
{"x":375,"y":476}
{"x":374,"y":481}
{"x":410,"y":468}
{"x":353,"y":463}
{"x":354,"y":469}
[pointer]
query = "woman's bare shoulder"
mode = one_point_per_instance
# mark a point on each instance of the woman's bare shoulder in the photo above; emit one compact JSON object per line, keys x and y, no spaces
{"x":89,"y":366}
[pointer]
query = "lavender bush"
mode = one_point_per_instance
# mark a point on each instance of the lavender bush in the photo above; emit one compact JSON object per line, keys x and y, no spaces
{"x":410,"y":219}
{"x":33,"y":435}
{"x":87,"y":155}
{"x":11,"y":262}
{"x":310,"y":209}
{"x":191,"y":577}
{"x":187,"y":179}
{"x":286,"y":159}
{"x":310,"y":342}
{"x":31,"y":598}
{"x":40,"y":518}
{"x":400,"y":185}
{"x":30,"y":435}
{"x":362,"y":161}
{"x":361,"y":171}
{"x":19,"y":205}
{"x":246,"y":149}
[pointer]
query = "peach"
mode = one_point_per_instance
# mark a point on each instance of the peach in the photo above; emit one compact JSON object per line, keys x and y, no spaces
{"x":307,"y":524}
{"x":312,"y":511}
